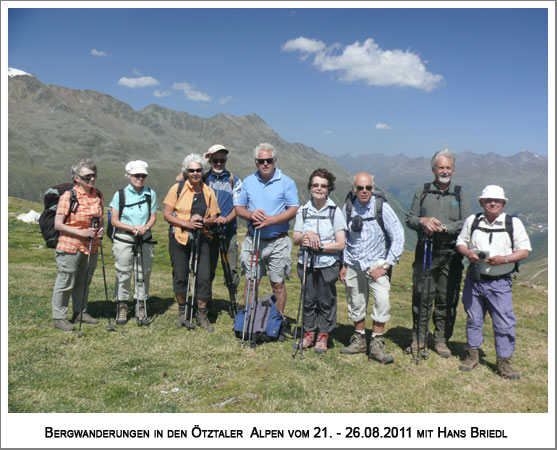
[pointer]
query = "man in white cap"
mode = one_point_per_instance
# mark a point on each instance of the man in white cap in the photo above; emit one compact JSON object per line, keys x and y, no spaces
{"x":227,"y":188}
{"x":493,"y":242}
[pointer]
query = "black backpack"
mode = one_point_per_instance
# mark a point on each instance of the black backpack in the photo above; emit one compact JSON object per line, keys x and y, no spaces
{"x":428,"y":190}
{"x":46,"y":220}
{"x":508,"y":229}
{"x":110,"y":229}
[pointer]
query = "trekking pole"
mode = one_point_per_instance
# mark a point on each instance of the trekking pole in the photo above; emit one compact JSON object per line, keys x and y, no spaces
{"x":110,"y":327}
{"x":193,"y":264}
{"x":186,"y":323}
{"x":138,"y":254}
{"x":300,"y":344}
{"x":250,"y":281}
{"x":195,"y":270}
{"x":227,"y":271}
{"x":420,"y":308}
{"x":254,"y":301}
{"x":428,"y":279}
{"x":94,"y":224}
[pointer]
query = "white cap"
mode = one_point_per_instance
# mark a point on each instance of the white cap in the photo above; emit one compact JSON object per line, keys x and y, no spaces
{"x":214,"y":149}
{"x":493,"y":191}
{"x":134,"y":167}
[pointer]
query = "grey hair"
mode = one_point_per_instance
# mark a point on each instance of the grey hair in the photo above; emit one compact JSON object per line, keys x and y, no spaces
{"x":194,"y":158}
{"x":81,"y":164}
{"x":354,"y":181}
{"x":264,"y":146}
{"x":445,"y":153}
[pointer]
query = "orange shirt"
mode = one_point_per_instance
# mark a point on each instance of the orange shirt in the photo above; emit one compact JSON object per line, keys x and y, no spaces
{"x":182,"y":206}
{"x":90,"y":205}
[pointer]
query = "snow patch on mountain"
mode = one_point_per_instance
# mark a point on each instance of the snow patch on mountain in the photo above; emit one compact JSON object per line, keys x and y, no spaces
{"x":15,"y":72}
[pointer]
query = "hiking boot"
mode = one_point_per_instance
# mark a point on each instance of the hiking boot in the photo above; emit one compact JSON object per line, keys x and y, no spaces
{"x":413,"y":348}
{"x":505,"y":370}
{"x":140,"y":316}
{"x":84,"y":318}
{"x":63,"y":324}
{"x":309,"y":338}
{"x":377,"y":351}
{"x":321,"y":343}
{"x":122,"y":314}
{"x":471,"y":361}
{"x":357,"y":345}
{"x":181,"y":320}
{"x":203,"y":319}
{"x":442,"y":350}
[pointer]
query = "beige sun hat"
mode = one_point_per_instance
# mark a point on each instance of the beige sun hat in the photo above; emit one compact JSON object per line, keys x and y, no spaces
{"x":214,"y":149}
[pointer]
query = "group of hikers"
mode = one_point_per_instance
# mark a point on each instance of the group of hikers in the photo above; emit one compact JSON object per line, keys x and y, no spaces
{"x":358,"y":243}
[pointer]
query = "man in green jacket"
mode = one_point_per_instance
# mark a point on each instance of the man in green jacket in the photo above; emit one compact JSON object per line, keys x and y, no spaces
{"x":437,"y":212}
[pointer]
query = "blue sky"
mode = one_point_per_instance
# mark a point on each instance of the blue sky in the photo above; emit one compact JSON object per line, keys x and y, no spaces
{"x":340,"y":80}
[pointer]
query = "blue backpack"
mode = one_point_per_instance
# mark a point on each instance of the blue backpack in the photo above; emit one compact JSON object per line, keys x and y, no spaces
{"x":263,"y":323}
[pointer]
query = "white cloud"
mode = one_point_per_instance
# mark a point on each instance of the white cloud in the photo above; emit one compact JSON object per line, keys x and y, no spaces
{"x":328,"y":132}
{"x":382,"y":126}
{"x":138,"y":82}
{"x":191,"y":93}
{"x":96,"y":52}
{"x":225,"y":100}
{"x":160,"y":94}
{"x":367,"y":62}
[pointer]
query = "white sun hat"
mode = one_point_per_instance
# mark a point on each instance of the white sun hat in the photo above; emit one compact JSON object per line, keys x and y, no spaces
{"x":134,"y":167}
{"x":493,"y":191}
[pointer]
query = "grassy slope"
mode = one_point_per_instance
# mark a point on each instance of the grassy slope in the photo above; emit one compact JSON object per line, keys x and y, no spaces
{"x":125,"y":371}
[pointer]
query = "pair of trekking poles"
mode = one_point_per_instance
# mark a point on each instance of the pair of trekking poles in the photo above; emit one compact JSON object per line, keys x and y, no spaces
{"x":426,"y":283}
{"x":307,"y":257}
{"x":251,"y":297}
{"x":95,"y":223}
{"x":227,"y":271}
{"x":192,"y":275}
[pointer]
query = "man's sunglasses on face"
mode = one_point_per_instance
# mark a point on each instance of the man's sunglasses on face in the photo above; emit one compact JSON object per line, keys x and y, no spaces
{"x":361,"y":188}
{"x":265,"y":160}
{"x":218,"y":160}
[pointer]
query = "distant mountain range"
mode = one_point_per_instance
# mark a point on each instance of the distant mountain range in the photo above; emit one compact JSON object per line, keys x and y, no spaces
{"x":51,"y":127}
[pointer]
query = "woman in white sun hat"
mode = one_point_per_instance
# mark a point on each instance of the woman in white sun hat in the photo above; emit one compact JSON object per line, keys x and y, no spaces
{"x":133,"y":214}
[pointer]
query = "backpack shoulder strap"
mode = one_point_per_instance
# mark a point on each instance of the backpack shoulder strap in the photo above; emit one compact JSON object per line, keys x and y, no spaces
{"x":349,"y":202}
{"x":457,"y":189}
{"x":379,"y":200}
{"x":332,"y":210}
{"x":232,"y":181}
{"x":427,"y":188}
{"x":180,"y":187}
{"x":121,"y":202}
{"x":148,"y":198}
{"x":475,"y":224}
{"x":509,"y":228}
{"x":304,"y":214}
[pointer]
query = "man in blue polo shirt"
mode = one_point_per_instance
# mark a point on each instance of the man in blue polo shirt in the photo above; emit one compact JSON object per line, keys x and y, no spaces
{"x":268,"y":200}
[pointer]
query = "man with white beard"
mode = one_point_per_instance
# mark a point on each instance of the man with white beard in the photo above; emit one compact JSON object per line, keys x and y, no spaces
{"x":437,"y":214}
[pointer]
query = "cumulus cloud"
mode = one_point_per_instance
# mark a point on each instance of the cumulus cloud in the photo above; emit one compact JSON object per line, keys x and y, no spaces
{"x":191,"y":93}
{"x":328,"y":132}
{"x":225,"y":100}
{"x":382,"y":126}
{"x":138,"y":82}
{"x":96,"y":52}
{"x":160,"y":94}
{"x":367,"y":62}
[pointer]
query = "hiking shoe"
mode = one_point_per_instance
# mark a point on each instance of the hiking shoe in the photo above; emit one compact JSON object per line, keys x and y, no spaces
{"x":321,"y":343}
{"x":377,"y":351}
{"x":413,"y":348}
{"x":63,"y":324}
{"x":357,"y":345}
{"x":471,"y":361}
{"x":203,"y":319}
{"x":181,"y":320}
{"x":505,"y":370}
{"x":140,"y":316}
{"x":122,"y":313}
{"x":307,"y":341}
{"x":84,"y":318}
{"x":442,"y":350}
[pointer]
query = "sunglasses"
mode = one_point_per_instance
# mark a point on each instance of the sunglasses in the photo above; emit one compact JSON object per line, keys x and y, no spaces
{"x":218,"y":161}
{"x":265,"y":160}
{"x":361,"y":188}
{"x":88,"y":177}
{"x":195,"y":170}
{"x":322,"y":186}
{"x":139,"y":175}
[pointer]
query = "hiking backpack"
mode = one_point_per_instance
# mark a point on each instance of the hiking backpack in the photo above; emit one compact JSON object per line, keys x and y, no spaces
{"x":110,"y":229}
{"x":46,"y":220}
{"x":331,"y":216}
{"x":509,"y":229}
{"x":263,"y":324}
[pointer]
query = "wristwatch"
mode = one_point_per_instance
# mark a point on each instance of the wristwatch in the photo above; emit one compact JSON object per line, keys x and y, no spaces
{"x":506,"y":260}
{"x":321,"y":247}
{"x":386,"y":266}
{"x":444,"y":227}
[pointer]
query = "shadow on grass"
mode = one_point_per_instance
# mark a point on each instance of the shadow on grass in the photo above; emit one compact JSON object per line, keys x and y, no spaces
{"x":155,"y":307}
